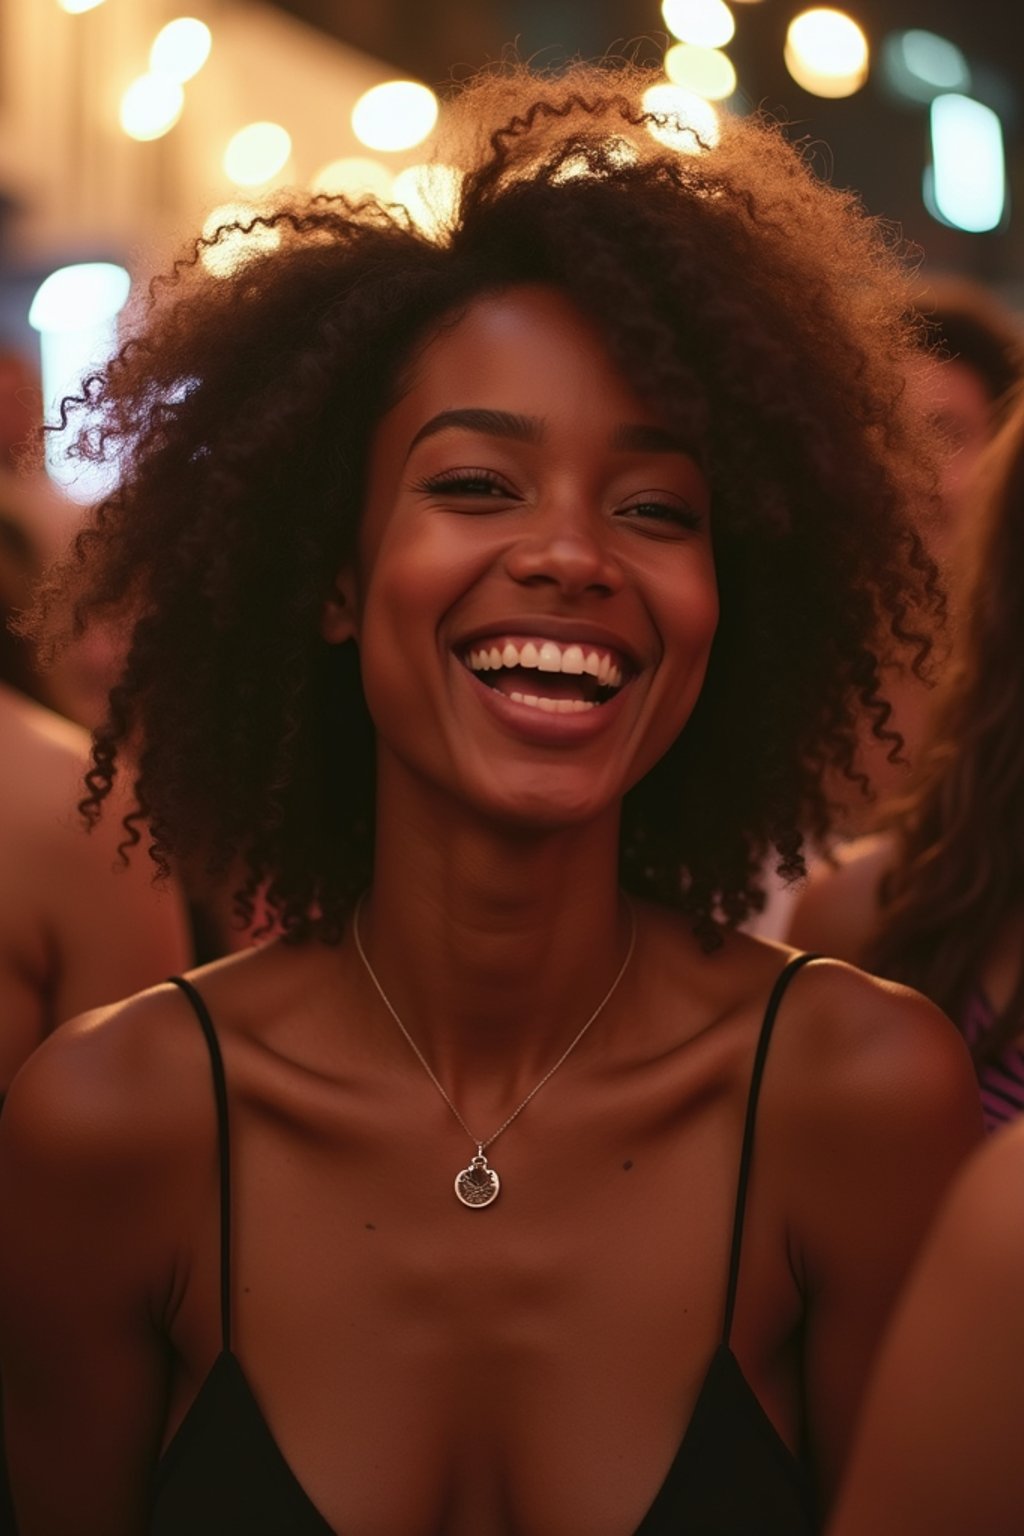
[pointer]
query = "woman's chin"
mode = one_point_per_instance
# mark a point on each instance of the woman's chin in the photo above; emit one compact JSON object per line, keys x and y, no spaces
{"x":550,"y":806}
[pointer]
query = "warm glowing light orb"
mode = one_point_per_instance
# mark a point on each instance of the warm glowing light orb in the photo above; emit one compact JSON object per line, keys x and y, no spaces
{"x":354,"y":177}
{"x":708,"y":72}
{"x":690,"y":123}
{"x":705,"y":23}
{"x":181,"y":49}
{"x":256,"y":153}
{"x":76,"y":7}
{"x":826,"y":52}
{"x":430,"y":194}
{"x":151,"y":106}
{"x":234,"y":247}
{"x":396,"y":115}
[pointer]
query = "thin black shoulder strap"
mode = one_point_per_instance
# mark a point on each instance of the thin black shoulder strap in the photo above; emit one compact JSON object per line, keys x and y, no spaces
{"x":220,"y":1093}
{"x":782,"y":981}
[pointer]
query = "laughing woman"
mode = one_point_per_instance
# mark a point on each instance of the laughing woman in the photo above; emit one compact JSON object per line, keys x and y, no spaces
{"x":499,"y":597}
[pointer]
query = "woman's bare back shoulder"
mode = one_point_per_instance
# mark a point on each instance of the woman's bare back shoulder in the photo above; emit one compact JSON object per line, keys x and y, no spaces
{"x":837,"y":911}
{"x":78,"y":926}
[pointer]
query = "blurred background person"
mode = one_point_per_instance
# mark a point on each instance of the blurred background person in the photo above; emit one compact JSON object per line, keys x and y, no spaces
{"x":36,"y":523}
{"x":76,"y":929}
{"x":971,"y":361}
{"x":967,"y":383}
{"x":936,"y":899}
{"x":938,"y":1449}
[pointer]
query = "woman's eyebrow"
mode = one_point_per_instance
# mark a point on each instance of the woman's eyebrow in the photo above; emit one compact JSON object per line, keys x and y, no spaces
{"x":631,"y":437}
{"x":522,"y":429}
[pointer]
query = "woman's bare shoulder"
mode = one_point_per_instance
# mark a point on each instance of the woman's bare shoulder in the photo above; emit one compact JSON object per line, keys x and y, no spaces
{"x":837,"y":911}
{"x":119,"y":1076}
{"x":44,"y":756}
{"x":834,"y":1017}
{"x":873,"y":1076}
{"x":853,"y":1031}
{"x":139,"y":1070}
{"x":838,"y":1012}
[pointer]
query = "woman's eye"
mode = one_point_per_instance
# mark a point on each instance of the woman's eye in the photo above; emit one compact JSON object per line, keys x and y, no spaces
{"x":667,"y":514}
{"x":465,"y":482}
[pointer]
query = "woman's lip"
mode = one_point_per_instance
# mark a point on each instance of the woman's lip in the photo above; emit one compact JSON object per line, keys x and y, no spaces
{"x":549,"y":728}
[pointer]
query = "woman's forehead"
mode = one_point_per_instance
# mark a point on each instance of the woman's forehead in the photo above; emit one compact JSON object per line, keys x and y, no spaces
{"x":527,"y":350}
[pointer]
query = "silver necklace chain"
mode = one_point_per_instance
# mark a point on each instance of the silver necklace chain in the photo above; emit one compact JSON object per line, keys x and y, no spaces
{"x":478,"y":1185}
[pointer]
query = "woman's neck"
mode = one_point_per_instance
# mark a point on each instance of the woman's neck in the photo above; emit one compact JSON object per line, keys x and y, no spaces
{"x":494,"y":944}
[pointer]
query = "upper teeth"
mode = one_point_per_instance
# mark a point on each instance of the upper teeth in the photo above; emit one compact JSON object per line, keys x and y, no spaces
{"x":547,"y":656}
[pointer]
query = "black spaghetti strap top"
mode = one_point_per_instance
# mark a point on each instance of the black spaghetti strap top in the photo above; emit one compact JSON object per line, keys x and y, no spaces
{"x":223,"y":1474}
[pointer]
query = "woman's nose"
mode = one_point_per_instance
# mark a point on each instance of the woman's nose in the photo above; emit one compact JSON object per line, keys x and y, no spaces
{"x":571,"y":553}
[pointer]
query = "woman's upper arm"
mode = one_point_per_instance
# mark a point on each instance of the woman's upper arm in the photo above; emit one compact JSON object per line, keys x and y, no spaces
{"x":890,"y":1111}
{"x":83,"y":1267}
{"x":938,"y":1450}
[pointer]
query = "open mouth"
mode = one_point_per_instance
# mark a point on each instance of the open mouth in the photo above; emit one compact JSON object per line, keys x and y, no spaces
{"x":547,"y":675}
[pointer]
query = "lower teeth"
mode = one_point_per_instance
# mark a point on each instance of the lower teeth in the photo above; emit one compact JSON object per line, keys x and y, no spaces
{"x":553,"y":706}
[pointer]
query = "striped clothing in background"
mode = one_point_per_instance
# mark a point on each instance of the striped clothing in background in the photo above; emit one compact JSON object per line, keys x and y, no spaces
{"x":1001,"y":1081}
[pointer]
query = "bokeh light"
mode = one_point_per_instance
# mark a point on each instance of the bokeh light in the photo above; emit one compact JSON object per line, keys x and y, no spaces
{"x":256,"y":153}
{"x":354,"y":177}
{"x":430,"y":193}
{"x":75,"y":311}
{"x":235,"y":246}
{"x":705,"y":23}
{"x":396,"y":115}
{"x":918,"y":65}
{"x":708,"y":72}
{"x":618,"y":151}
{"x":826,"y":52}
{"x":691,"y":122}
{"x":151,"y":106}
{"x":181,"y":49}
{"x":77,"y":7}
{"x":966,"y":186}
{"x":77,"y":297}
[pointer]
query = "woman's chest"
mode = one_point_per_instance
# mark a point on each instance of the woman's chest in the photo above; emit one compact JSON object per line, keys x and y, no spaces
{"x":424,"y":1366}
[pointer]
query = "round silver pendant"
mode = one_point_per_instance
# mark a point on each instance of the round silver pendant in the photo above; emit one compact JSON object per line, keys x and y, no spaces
{"x":477,"y":1185}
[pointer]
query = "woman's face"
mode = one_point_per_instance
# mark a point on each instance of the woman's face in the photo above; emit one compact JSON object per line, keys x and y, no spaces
{"x":535,"y":597}
{"x":956,"y":398}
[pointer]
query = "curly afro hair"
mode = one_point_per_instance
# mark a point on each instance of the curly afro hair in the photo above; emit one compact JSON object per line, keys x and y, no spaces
{"x":752,"y":303}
